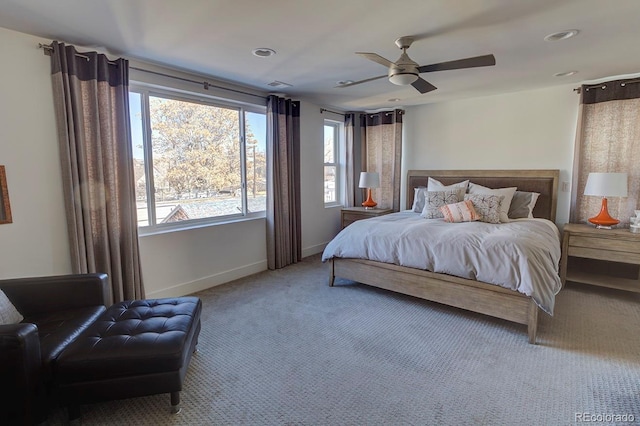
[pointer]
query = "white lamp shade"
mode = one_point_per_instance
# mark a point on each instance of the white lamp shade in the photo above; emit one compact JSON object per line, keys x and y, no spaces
{"x":606,"y":185}
{"x":369,"y":180}
{"x":403,"y":79}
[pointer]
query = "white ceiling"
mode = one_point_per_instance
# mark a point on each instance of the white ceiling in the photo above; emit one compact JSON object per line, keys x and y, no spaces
{"x":315,"y":41}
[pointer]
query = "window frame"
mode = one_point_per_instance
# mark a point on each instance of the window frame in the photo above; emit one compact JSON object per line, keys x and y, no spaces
{"x":338,"y":163}
{"x":147,"y":90}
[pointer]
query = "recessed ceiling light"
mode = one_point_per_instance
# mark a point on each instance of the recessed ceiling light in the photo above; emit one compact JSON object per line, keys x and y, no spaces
{"x":394,"y":100}
{"x":343,"y":82}
{"x":263,"y":52}
{"x":561,"y":35}
{"x":565,"y":74}
{"x":277,"y":83}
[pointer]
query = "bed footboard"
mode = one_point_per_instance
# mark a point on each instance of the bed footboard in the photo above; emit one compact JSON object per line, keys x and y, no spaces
{"x":453,"y":291}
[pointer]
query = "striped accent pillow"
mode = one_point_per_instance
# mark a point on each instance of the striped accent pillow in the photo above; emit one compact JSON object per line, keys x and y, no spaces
{"x":459,"y":212}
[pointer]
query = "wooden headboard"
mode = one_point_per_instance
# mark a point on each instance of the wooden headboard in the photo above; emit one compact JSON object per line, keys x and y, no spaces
{"x":545,"y":182}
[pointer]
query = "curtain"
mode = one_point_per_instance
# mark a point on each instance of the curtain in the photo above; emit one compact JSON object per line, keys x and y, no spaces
{"x":284,"y":235}
{"x":607,"y":140}
{"x":92,"y":113}
{"x":381,"y":152}
{"x":350,"y":164}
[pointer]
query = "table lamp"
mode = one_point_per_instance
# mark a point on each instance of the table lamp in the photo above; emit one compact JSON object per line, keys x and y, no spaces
{"x":369,"y":180}
{"x":605,"y":185}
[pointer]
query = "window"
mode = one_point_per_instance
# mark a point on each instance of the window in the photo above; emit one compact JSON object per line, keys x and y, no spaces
{"x":332,"y":170}
{"x":196,"y":160}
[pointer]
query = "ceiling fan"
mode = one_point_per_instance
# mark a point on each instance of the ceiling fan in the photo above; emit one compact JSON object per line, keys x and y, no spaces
{"x":405,"y":71}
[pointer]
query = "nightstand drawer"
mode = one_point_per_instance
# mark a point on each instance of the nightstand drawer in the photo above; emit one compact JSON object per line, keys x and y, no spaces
{"x":348,"y":217}
{"x":353,"y":214}
{"x":608,"y":255}
{"x":604,"y":244}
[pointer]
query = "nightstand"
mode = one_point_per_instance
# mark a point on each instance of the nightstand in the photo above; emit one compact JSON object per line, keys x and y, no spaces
{"x":352,"y":214}
{"x":610,"y":245}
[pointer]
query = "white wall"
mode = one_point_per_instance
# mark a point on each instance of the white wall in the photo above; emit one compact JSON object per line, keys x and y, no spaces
{"x":524,"y":130}
{"x":183,"y":262}
{"x":319,"y":223}
{"x":172,"y":263}
{"x":36,"y":242}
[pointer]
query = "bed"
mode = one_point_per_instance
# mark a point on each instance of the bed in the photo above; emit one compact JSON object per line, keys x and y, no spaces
{"x":470,"y":294}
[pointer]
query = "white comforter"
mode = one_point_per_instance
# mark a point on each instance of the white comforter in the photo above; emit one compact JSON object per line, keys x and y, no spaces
{"x":521,"y":255}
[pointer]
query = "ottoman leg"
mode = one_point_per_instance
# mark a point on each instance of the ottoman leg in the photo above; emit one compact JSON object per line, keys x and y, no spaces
{"x":175,"y":402}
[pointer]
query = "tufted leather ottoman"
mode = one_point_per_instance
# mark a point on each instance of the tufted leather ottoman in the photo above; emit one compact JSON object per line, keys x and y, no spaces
{"x":135,"y":348}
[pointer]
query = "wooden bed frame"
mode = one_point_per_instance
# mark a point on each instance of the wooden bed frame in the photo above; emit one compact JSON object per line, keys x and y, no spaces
{"x":475,"y":296}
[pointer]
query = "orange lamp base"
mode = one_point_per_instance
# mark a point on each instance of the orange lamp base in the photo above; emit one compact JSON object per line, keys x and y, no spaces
{"x":603,"y":219}
{"x":369,"y":203}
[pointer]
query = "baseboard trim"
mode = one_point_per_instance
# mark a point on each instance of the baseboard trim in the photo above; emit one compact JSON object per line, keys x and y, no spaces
{"x":210,"y":281}
{"x":224,"y":277}
{"x":310,"y":251}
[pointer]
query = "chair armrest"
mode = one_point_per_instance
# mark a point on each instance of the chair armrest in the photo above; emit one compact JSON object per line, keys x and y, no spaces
{"x":19,"y":349}
{"x":37,"y":295}
{"x":20,"y":366}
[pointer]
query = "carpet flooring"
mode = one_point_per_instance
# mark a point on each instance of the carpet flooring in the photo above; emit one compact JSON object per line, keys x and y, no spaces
{"x":284,"y":348}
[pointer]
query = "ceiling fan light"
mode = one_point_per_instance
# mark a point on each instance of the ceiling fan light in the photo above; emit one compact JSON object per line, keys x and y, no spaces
{"x":403,"y":79}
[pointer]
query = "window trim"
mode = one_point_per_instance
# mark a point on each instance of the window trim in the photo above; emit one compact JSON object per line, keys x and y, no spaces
{"x":337,"y":161}
{"x":147,"y":90}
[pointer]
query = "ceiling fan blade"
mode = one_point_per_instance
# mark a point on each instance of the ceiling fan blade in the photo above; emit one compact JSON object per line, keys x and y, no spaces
{"x":375,"y":58}
{"x":361,"y":81}
{"x":476,"y":61}
{"x":423,"y":86}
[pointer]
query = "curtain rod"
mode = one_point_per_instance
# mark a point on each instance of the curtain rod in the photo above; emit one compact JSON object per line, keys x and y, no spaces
{"x":387,"y":113}
{"x":48,"y":49}
{"x":323,"y":110}
{"x":204,"y":84}
{"x":604,"y":85}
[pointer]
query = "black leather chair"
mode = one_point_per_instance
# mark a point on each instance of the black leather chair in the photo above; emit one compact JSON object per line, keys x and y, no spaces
{"x":56,"y":310}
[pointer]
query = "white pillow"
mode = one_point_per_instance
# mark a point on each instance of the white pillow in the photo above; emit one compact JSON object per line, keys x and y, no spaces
{"x":436,"y":185}
{"x":476,"y":189}
{"x":419,"y":196}
{"x":8,"y":313}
